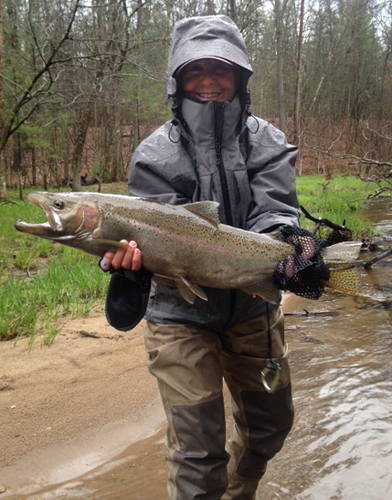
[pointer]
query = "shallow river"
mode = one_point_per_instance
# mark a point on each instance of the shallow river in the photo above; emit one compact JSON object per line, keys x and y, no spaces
{"x":341,"y":444}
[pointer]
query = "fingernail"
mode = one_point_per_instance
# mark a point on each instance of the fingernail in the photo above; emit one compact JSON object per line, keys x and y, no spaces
{"x":105,"y":266}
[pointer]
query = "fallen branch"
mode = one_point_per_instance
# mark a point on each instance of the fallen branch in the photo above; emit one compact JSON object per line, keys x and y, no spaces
{"x":378,"y":258}
{"x":314,"y":313}
{"x":378,"y":191}
{"x":322,"y":221}
{"x":356,"y":159}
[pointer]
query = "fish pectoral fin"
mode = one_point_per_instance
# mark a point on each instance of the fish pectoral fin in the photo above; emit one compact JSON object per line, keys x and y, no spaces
{"x":189,"y":291}
{"x":346,"y":281}
{"x":110,"y":245}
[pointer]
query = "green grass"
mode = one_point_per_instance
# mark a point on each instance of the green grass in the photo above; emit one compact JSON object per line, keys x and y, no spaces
{"x":70,"y":284}
{"x":341,"y":202}
{"x":42,"y":284}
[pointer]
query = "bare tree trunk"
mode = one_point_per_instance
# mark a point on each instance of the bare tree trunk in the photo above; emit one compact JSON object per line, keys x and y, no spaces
{"x":297,"y":96}
{"x":3,"y":182}
{"x":17,"y":162}
{"x":66,"y":165}
{"x":210,"y":8}
{"x":136,"y":124}
{"x":81,"y":132}
{"x":136,"y":128}
{"x":381,"y":111}
{"x":231,"y":10}
{"x":33,"y":167}
{"x":279,"y":67}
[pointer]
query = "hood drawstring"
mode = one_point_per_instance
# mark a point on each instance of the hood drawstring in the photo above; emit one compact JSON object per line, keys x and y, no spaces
{"x":174,"y":123}
{"x":253,"y":132}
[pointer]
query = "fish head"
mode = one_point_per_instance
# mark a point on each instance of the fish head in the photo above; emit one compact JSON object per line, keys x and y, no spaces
{"x":68,"y":217}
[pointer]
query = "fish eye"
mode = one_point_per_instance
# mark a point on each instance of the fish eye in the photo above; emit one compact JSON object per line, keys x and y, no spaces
{"x":58,"y":204}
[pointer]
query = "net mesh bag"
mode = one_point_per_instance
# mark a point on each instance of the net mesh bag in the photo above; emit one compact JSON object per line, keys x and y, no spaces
{"x":305,"y":272}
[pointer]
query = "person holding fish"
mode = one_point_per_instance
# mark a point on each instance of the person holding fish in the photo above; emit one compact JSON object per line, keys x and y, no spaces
{"x":212,"y":150}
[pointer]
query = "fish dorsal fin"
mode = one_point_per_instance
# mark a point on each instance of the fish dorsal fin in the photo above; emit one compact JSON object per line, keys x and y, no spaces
{"x":207,"y":210}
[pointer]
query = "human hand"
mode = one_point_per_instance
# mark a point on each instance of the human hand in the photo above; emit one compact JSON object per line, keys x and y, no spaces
{"x":304,"y":272}
{"x":308,"y":246}
{"x":305,"y":247}
{"x":129,"y":258}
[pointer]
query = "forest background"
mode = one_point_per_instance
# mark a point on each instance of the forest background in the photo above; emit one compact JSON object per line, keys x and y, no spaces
{"x":82,"y":82}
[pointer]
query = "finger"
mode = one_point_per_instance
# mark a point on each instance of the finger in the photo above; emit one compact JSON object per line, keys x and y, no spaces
{"x":137,"y":260}
{"x":106,"y":262}
{"x":127,"y":262}
{"x":307,"y":247}
{"x":119,"y":256}
{"x":108,"y":257}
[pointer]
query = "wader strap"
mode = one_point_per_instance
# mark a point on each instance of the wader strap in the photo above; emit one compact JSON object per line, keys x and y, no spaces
{"x":274,"y":364}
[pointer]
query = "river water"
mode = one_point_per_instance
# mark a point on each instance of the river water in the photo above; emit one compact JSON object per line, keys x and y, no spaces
{"x":341,"y":361}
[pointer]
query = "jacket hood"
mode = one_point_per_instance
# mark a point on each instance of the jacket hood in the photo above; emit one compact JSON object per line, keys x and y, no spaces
{"x":203,"y":37}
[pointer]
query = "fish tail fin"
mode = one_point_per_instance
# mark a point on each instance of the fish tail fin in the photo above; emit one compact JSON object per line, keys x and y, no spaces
{"x":345,"y":281}
{"x":340,"y":260}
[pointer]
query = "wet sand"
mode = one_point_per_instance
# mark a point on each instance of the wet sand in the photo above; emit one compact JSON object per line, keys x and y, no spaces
{"x":68,"y":408}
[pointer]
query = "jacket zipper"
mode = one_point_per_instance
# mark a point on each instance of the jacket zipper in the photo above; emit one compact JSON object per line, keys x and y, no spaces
{"x":219,"y":162}
{"x":218,"y":116}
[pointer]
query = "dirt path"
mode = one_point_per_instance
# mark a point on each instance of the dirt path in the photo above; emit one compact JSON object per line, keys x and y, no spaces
{"x":68,"y":408}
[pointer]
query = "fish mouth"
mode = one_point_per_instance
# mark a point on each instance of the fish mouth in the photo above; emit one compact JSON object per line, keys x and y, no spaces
{"x":52,"y":229}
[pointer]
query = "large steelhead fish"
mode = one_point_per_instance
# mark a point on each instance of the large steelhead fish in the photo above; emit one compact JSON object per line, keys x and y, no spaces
{"x":183,"y":243}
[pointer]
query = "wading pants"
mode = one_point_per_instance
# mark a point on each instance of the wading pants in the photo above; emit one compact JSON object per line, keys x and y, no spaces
{"x":190,"y":364}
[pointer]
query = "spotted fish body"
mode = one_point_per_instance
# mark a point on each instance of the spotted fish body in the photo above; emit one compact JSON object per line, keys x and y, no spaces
{"x":183,"y":243}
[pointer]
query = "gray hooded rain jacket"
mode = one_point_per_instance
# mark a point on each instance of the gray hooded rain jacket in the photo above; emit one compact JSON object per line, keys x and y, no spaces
{"x":215,"y":151}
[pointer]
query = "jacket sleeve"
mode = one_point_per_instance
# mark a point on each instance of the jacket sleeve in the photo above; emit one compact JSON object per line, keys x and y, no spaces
{"x":271,"y":172}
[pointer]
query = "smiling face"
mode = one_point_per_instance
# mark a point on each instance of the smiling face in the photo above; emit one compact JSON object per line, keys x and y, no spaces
{"x":208,"y":80}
